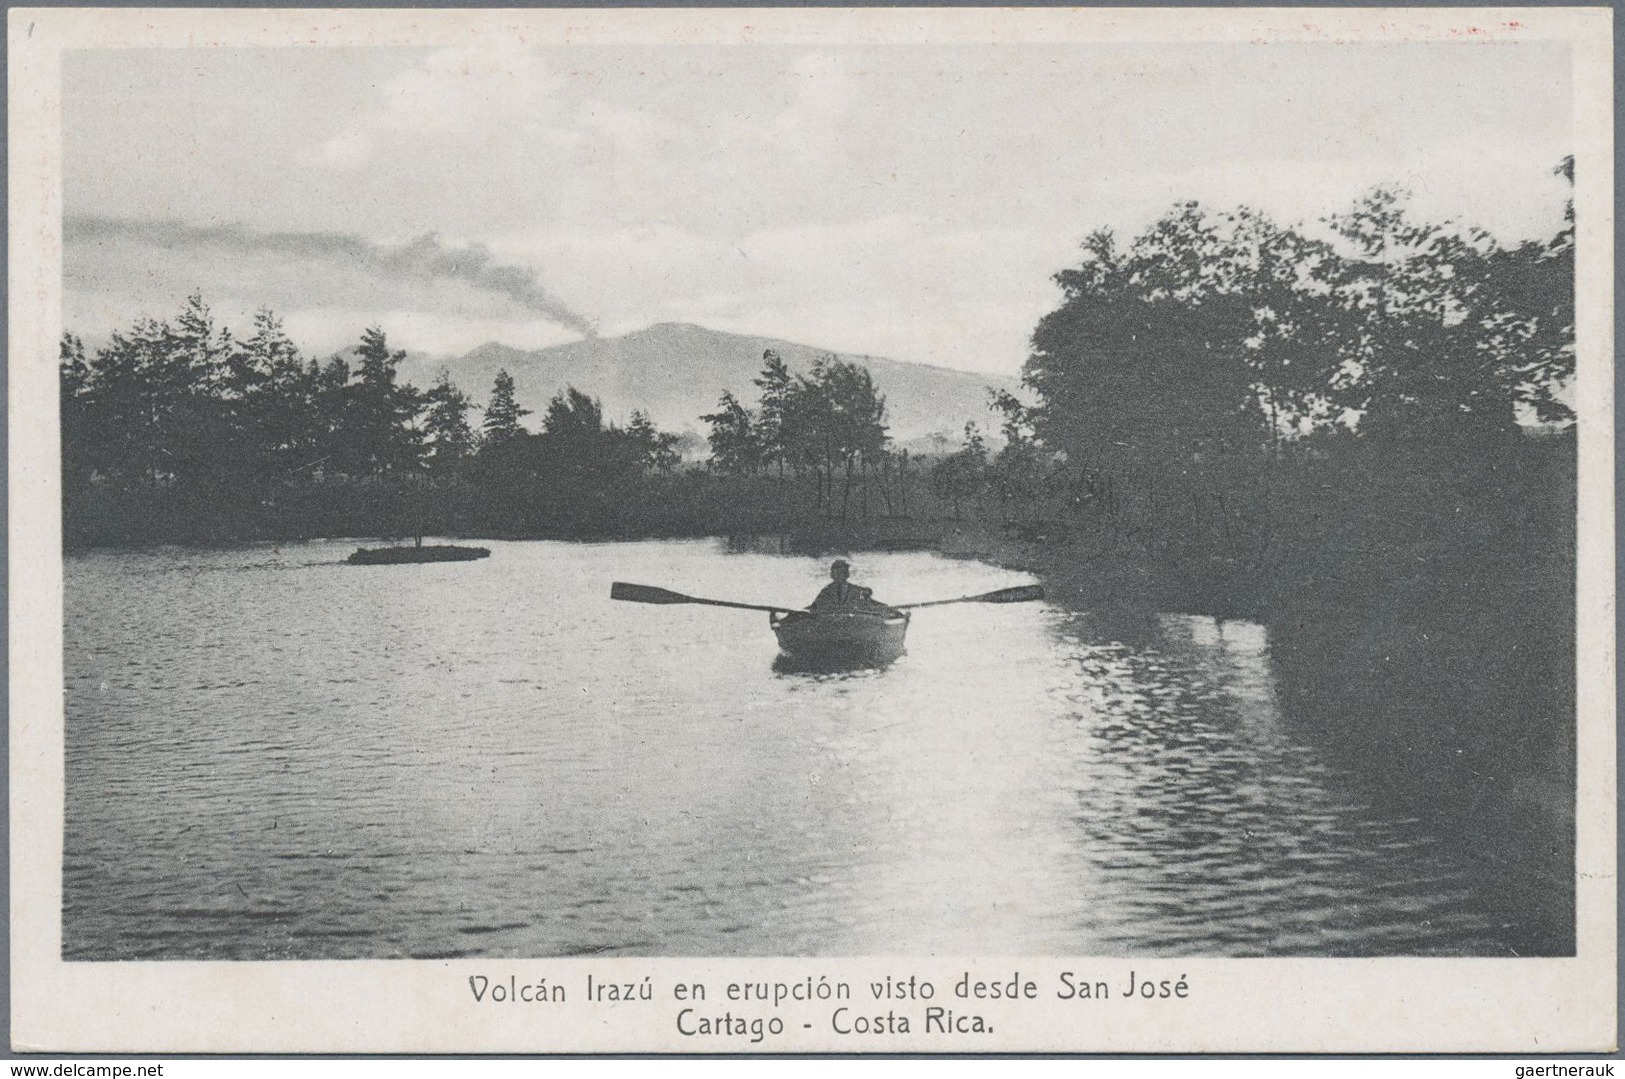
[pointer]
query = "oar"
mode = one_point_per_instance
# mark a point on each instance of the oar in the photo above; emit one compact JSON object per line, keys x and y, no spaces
{"x":644,"y":593}
{"x":1020,"y":594}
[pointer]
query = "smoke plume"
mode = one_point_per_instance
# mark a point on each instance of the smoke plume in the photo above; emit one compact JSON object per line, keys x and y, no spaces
{"x":423,"y":258}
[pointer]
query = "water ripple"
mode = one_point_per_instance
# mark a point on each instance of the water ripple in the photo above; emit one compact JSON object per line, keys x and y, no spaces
{"x":492,"y":759}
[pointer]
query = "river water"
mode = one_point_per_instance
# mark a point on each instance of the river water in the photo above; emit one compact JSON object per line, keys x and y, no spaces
{"x":274,"y":755}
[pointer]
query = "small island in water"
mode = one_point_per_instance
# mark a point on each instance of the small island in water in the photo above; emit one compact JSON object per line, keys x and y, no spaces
{"x":396,"y":556}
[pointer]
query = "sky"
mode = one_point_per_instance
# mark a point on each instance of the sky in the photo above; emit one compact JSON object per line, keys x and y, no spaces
{"x":910,"y":201}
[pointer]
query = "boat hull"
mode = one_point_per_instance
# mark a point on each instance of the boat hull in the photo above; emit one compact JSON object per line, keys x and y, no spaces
{"x":842,"y":638}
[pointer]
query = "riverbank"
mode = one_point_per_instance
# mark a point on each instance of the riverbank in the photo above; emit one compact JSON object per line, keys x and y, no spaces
{"x":1447,"y":694}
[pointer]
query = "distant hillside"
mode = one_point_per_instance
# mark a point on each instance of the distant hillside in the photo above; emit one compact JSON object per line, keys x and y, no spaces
{"x":677,"y":371}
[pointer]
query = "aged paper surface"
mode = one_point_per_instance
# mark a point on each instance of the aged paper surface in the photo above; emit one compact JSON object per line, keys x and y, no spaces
{"x":891,"y":979}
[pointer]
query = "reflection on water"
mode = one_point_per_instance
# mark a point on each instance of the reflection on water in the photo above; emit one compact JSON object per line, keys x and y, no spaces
{"x":836,"y":665}
{"x":1240,"y":840}
{"x":272,"y":755}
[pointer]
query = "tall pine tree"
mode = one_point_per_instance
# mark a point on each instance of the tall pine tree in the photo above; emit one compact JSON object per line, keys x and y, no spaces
{"x":503,"y":413}
{"x":451,"y":439}
{"x":773,"y":405}
{"x":382,"y":411}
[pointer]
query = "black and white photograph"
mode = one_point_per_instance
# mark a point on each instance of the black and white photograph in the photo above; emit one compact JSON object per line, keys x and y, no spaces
{"x":576,"y":508}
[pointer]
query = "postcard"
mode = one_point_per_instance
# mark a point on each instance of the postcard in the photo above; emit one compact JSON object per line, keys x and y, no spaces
{"x":791,"y":531}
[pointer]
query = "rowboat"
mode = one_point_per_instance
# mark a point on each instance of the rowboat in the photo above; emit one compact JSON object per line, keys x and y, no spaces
{"x":829,"y":639}
{"x":841,"y":637}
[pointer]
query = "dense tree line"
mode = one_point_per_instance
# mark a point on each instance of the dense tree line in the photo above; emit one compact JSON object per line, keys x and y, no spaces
{"x":178,"y":429}
{"x":827,"y":427}
{"x":1188,"y":381}
{"x":1193,"y":376}
{"x":1358,"y":432}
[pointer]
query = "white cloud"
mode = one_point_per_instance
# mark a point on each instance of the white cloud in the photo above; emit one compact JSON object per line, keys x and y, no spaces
{"x":465,"y":97}
{"x":324,"y":329}
{"x":348,"y":151}
{"x":455,"y":87}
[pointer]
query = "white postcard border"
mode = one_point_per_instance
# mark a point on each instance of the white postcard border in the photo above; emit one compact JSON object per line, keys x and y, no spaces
{"x":1262,"y":1005}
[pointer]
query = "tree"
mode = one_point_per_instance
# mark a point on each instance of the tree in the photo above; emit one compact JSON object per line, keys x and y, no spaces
{"x":502,"y":415}
{"x":380,"y":421}
{"x":856,"y":415}
{"x":1018,"y":472}
{"x":573,"y":417}
{"x":1449,"y":337}
{"x":775,"y":401}
{"x":575,"y":445}
{"x":445,"y":426}
{"x":1408,"y":289}
{"x":735,"y":446}
{"x":330,"y":407}
{"x":1148,"y":351}
{"x":656,"y":449}
{"x":587,"y":472}
{"x":1536,"y":319}
{"x":198,"y":428}
{"x":158,"y":394}
{"x":962,"y":476}
{"x":275,"y":392}
{"x":834,"y":419}
{"x":78,"y":413}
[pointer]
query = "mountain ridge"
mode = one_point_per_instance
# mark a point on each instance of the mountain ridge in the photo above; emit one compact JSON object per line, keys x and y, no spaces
{"x":678,"y":371}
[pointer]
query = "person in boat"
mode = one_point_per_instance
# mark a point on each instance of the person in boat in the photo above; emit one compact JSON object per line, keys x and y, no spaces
{"x":841,"y":595}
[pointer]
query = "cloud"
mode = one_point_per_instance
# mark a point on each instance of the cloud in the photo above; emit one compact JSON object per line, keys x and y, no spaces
{"x":436,"y":333}
{"x":425,"y":258}
{"x":453,"y":86}
{"x":472,"y":98}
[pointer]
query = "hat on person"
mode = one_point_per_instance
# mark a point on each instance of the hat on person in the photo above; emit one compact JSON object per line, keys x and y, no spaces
{"x":840,"y":563}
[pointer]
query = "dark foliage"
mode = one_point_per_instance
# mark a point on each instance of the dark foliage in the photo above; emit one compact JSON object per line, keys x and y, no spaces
{"x":1361,"y":439}
{"x":177,"y":431}
{"x":827,"y":428}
